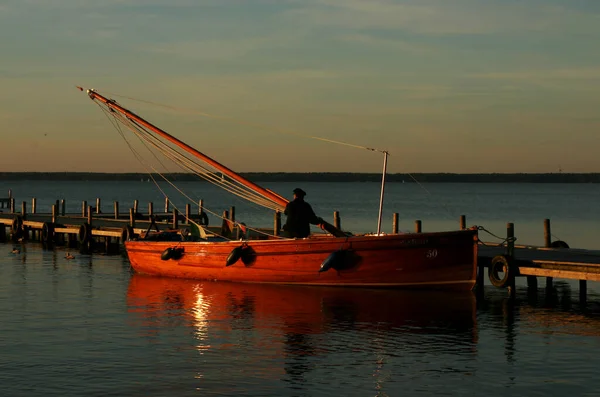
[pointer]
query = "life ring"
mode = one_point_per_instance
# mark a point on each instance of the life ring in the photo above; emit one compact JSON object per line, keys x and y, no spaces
{"x":17,"y":225}
{"x":47,"y":232}
{"x":501,"y":263}
{"x":559,"y":244}
{"x":203,"y":219}
{"x":127,"y":233}
{"x":85,"y":233}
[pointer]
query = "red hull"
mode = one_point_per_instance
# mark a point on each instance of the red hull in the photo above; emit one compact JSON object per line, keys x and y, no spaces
{"x":432,"y":260}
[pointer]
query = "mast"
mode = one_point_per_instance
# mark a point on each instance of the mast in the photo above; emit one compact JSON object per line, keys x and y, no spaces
{"x":226,"y":171}
{"x":385,"y":156}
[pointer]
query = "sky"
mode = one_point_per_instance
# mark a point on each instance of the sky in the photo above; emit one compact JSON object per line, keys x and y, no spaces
{"x":462,"y":86}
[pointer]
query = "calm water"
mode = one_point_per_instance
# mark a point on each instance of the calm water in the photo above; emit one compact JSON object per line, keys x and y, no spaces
{"x":87,"y":326}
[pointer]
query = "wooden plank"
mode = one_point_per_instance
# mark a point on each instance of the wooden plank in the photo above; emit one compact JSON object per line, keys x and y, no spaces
{"x":533,"y":271}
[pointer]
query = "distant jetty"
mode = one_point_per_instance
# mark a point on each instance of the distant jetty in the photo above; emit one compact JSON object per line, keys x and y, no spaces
{"x":318,"y":177}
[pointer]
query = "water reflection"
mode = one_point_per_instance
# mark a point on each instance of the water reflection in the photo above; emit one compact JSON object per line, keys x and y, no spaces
{"x":297,"y":330}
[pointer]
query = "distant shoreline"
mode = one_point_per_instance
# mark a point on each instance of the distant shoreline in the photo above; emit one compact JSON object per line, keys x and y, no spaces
{"x":319,"y":177}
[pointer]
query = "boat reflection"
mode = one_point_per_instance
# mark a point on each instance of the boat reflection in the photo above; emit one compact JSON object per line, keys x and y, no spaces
{"x":295,"y":311}
{"x":292,"y":332}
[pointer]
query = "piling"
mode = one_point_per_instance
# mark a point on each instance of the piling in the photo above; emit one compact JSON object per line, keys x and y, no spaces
{"x":463,"y":222}
{"x":232,"y":213}
{"x":83,"y":209}
{"x":33,"y":205}
{"x":336,"y":219}
{"x":510,"y":252}
{"x":175,"y":218}
{"x":98,"y":206}
{"x":548,"y":244}
{"x":131,"y":217}
{"x":188,"y":214}
{"x":166,"y":205}
{"x":277,"y":223}
{"x":135,"y":206}
{"x":417,"y":226}
{"x":150,"y":210}
{"x":395,"y":223}
{"x":24,"y":210}
{"x":116,"y":209}
{"x":63,"y":207}
{"x":89,"y":215}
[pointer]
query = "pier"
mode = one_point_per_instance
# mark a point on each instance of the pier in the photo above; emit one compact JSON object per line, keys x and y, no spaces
{"x":95,"y":230}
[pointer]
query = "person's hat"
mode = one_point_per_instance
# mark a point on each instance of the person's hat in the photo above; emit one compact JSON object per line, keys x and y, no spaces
{"x":299,"y":192}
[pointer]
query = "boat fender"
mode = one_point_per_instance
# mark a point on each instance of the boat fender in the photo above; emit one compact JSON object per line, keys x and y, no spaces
{"x":559,"y":244}
{"x":501,"y":263}
{"x":204,"y":219}
{"x":17,"y":225}
{"x":47,"y":232}
{"x":172,"y":253}
{"x":235,"y":255}
{"x":334,"y":261}
{"x":127,"y":233}
{"x":85,"y":233}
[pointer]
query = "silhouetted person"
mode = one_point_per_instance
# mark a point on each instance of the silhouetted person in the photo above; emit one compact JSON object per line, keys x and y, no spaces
{"x":299,"y":216}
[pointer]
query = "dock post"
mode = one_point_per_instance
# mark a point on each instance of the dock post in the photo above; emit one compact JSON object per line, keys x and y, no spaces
{"x":232,"y":213}
{"x":131,"y":217}
{"x":547,"y":234}
{"x":225,"y":230}
{"x":12,"y":205}
{"x":582,"y":292}
{"x":54,"y":212}
{"x":84,"y":209}
{"x":98,"y":206}
{"x":63,"y":207}
{"x":33,"y":205}
{"x":463,"y":222}
{"x":510,"y":251}
{"x":135,"y":206}
{"x":9,"y":193}
{"x":418,"y":226}
{"x":395,"y":223}
{"x":200,"y":206}
{"x":150,"y":210}
{"x":188,"y":213}
{"x":547,"y":244}
{"x":336,"y":219}
{"x":175,"y":218}
{"x":89,"y":215}
{"x":24,"y":209}
{"x":116,"y":207}
{"x":166,"y":205}
{"x":277,"y":223}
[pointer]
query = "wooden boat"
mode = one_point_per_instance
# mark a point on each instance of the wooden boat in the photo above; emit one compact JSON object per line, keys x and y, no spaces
{"x":445,"y":260}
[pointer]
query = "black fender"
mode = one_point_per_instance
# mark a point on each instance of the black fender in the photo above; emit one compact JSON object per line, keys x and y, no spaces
{"x":85,"y":233}
{"x":47,"y":232}
{"x":127,"y":233}
{"x":172,"y":253}
{"x":203,"y":219}
{"x":17,"y":225}
{"x":559,"y":244}
{"x":501,"y":263}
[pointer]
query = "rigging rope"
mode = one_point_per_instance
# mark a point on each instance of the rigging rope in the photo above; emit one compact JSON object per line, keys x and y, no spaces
{"x":143,"y":134}
{"x":246,"y":123}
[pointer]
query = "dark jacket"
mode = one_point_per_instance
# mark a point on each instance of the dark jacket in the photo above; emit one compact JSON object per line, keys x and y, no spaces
{"x":299,"y":217}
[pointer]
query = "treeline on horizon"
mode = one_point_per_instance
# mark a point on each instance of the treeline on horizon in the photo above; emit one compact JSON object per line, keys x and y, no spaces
{"x":318,"y":177}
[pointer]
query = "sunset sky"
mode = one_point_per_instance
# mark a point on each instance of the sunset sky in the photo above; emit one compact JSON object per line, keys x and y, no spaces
{"x":443,"y":85}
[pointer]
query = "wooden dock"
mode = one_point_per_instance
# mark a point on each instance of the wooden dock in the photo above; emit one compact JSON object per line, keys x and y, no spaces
{"x":93,"y":230}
